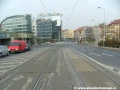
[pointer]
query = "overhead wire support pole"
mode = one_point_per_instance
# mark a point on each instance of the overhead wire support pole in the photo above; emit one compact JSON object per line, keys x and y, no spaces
{"x":96,"y":32}
{"x":104,"y":32}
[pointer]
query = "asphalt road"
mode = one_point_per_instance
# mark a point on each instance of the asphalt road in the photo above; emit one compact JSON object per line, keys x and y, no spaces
{"x":55,"y":67}
{"x":109,"y":58}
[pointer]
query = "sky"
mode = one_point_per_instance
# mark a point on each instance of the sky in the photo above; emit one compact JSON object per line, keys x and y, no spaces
{"x":86,"y":12}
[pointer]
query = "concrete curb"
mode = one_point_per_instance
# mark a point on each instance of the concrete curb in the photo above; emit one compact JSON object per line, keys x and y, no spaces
{"x":108,"y":48}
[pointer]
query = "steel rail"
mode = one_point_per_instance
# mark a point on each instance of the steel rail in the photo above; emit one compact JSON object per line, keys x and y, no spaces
{"x":33,"y":59}
{"x":81,"y":83}
{"x":34,"y":87}
{"x":79,"y":53}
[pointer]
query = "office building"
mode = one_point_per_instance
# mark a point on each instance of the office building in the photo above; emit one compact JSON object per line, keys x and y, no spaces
{"x":44,"y":28}
{"x":17,"y":23}
{"x":56,"y":25}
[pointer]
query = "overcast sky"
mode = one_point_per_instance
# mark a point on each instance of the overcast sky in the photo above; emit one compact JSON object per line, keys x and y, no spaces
{"x":85,"y":10}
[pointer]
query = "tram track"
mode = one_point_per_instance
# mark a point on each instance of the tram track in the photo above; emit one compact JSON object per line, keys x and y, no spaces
{"x":59,"y":59}
{"x":23,"y":67}
{"x":77,"y":77}
{"x":97,"y":67}
{"x":34,"y":87}
{"x":56,"y":68}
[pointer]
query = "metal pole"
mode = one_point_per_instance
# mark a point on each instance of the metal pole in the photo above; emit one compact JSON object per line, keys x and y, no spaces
{"x":104,"y":28}
{"x":96,"y":32}
{"x":22,"y":33}
{"x":96,"y":37}
{"x":119,"y":32}
{"x":59,"y":36}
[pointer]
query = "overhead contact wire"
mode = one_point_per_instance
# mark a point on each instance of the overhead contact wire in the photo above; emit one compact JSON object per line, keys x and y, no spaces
{"x":72,"y":12}
{"x":43,"y":6}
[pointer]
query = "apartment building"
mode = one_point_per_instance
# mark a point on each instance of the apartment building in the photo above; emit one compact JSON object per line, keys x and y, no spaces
{"x":113,"y":30}
{"x":68,"y":35}
{"x":78,"y":34}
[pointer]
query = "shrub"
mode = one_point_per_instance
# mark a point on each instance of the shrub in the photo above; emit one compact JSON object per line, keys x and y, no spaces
{"x":110,"y":43}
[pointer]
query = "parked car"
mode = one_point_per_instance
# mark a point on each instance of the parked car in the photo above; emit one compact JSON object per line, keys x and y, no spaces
{"x":17,"y":46}
{"x":4,"y":50}
{"x":28,"y":47}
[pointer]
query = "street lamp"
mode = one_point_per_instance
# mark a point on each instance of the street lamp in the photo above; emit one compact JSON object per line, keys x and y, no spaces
{"x":104,"y":26}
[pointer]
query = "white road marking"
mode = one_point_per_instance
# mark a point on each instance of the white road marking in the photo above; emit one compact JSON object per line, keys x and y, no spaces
{"x":90,"y":50}
{"x":119,"y":72}
{"x":12,"y":66}
{"x":18,"y":78}
{"x":95,"y":54}
{"x":8,"y":86}
{"x":25,"y":86}
{"x":2,"y":71}
{"x":6,"y":66}
{"x":107,"y":54}
{"x":88,"y":57}
{"x":113,"y":53}
{"x":11,"y":60}
{"x":109,"y":67}
{"x":105,"y":66}
{"x":19,"y":58}
{"x":10,"y":63}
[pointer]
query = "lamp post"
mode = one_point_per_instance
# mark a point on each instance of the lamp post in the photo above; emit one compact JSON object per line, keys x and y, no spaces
{"x":104,"y":26}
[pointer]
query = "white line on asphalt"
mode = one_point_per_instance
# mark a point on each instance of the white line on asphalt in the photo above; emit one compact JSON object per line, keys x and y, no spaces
{"x":7,"y":66}
{"x":107,"y":54}
{"x":90,"y":50}
{"x":113,"y":53}
{"x":2,"y":71}
{"x":11,"y":63}
{"x":119,"y":72}
{"x":12,"y":59}
{"x":95,"y":54}
{"x":88,"y":57}
{"x":96,"y":61}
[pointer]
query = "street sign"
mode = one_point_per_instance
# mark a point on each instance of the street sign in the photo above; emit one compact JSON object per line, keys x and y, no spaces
{"x":3,"y":35}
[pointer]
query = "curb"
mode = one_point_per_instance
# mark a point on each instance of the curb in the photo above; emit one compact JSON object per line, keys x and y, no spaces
{"x":108,"y":48}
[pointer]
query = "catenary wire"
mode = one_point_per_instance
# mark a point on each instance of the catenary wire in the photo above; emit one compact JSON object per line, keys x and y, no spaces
{"x":43,"y":6}
{"x":68,"y":19}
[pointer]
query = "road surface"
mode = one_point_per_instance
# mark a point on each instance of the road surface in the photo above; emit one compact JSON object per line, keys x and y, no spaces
{"x":54,"y":67}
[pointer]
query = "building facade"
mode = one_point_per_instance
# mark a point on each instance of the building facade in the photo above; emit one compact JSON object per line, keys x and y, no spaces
{"x":85,"y":33}
{"x":113,"y":30}
{"x":44,"y":28}
{"x":68,"y":35}
{"x":17,"y":23}
{"x":78,"y":34}
{"x":34,"y":27}
{"x":56,"y":23}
